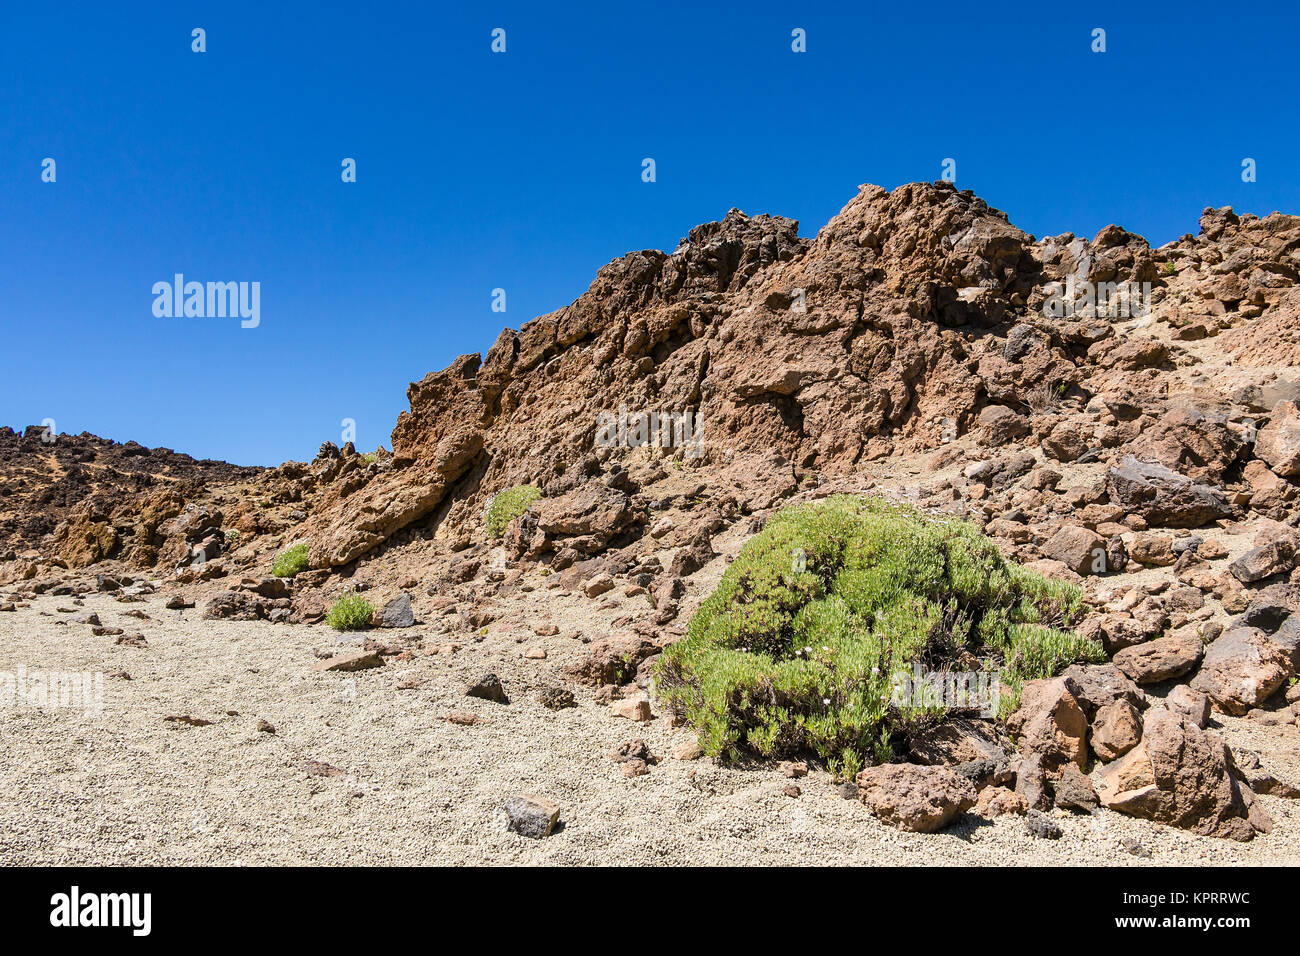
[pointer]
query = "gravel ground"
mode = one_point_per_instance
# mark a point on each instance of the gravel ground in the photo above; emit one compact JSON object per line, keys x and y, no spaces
{"x":129,"y":787}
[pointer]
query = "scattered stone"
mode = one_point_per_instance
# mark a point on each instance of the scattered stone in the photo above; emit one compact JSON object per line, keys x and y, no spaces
{"x":1079,"y":549}
{"x":488,"y":687}
{"x":688,"y":750}
{"x":1042,"y":827}
{"x":187,"y":719}
{"x":535,"y":653}
{"x":1134,"y":847}
{"x":361,"y":660}
{"x":532,"y":816}
{"x":793,"y":769}
{"x":556,"y":698}
{"x":266,"y":727}
{"x":462,"y":718}
{"x":396,"y":613}
{"x":598,"y":585}
{"x":633,"y":708}
{"x":319,"y":768}
{"x":790,"y":790}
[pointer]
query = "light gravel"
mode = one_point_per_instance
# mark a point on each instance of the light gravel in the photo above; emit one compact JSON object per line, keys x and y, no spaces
{"x":129,"y":787}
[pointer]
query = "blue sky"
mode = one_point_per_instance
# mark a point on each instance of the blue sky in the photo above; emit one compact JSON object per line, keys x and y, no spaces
{"x":522,"y":171}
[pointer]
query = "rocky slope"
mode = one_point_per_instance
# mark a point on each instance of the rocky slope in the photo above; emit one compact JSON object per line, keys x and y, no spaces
{"x":920,"y":346}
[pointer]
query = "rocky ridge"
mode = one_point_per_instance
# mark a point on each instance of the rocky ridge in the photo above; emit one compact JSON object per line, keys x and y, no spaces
{"x":918,"y":347}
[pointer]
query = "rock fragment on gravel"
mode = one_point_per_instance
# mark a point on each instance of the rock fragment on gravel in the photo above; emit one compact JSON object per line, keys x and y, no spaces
{"x":532,"y":816}
{"x":488,"y":687}
{"x":361,"y":660}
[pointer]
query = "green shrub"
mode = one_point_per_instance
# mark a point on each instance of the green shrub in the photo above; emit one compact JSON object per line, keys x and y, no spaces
{"x":290,"y":561}
{"x":509,"y":505}
{"x":350,"y":613}
{"x":791,"y":655}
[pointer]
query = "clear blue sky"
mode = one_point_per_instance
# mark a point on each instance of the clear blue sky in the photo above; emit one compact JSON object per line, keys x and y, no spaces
{"x":523,"y":170}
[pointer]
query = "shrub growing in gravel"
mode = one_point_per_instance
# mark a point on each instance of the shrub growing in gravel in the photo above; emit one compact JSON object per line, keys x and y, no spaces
{"x":509,"y":505}
{"x":350,"y":613}
{"x":290,"y":561}
{"x":798,"y":647}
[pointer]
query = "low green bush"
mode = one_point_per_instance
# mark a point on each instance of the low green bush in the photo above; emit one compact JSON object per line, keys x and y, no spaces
{"x":350,"y":613}
{"x":290,"y":561}
{"x":509,"y":505}
{"x":799,"y":647}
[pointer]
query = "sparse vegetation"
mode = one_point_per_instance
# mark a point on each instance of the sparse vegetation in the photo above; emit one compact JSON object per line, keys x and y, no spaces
{"x":290,"y":561}
{"x":509,"y":505}
{"x":350,"y":613}
{"x":798,"y":647}
{"x":1171,"y":269}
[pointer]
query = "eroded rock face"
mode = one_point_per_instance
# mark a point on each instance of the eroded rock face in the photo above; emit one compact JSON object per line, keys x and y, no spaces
{"x":913,"y":797}
{"x":1278,"y":442}
{"x":1182,"y":776}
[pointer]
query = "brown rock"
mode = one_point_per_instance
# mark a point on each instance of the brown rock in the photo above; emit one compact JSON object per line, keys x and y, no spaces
{"x":1116,"y":730}
{"x":362,"y":660}
{"x":1244,"y":666}
{"x":1278,"y":442}
{"x":1181,"y":776}
{"x":1161,"y":659}
{"x":915,"y":798}
{"x":1050,"y":723}
{"x":1079,"y":549}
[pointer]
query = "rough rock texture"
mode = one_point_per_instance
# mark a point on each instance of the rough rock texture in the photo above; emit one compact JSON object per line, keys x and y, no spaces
{"x":1050,"y":723}
{"x":1245,"y":666}
{"x":913,"y":797}
{"x":1183,"y":776}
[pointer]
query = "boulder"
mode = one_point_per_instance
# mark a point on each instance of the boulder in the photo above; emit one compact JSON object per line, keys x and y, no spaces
{"x":1163,"y":497}
{"x":1277,"y":557}
{"x":396,"y":613}
{"x":915,"y":798}
{"x":1051,"y":724}
{"x":234,"y":605}
{"x":1182,"y":776}
{"x":1161,"y":659}
{"x":532,"y":816}
{"x":1079,"y":549}
{"x":957,"y":741}
{"x":1244,"y":666}
{"x":1189,"y":704}
{"x":1097,"y":685}
{"x":1074,"y":791}
{"x":488,"y":687}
